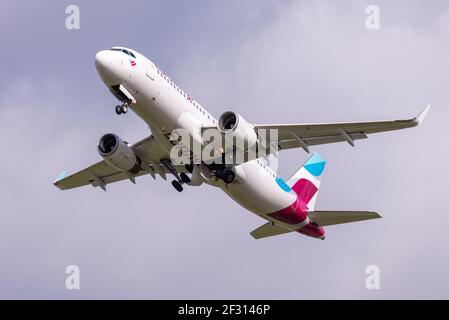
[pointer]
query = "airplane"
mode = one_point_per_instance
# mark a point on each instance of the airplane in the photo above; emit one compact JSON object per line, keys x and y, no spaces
{"x":288,"y":206}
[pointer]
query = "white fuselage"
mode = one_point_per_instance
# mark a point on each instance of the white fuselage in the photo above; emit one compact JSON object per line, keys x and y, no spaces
{"x":164,"y":106}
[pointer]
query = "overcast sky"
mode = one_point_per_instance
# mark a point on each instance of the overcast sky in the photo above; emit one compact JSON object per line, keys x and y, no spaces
{"x":271,"y":61}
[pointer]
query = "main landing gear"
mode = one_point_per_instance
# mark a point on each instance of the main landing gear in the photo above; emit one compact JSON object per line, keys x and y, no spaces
{"x":181,"y":179}
{"x":121,"y":108}
{"x":226,"y":175}
{"x":177,"y":185}
{"x":222,"y":172}
{"x":185,"y":178}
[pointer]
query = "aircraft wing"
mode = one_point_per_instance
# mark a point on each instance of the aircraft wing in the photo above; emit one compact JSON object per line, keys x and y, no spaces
{"x":305,"y":135}
{"x":102,"y":174}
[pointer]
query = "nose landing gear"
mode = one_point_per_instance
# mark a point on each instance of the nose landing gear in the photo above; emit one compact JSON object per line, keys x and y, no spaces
{"x":121,"y":108}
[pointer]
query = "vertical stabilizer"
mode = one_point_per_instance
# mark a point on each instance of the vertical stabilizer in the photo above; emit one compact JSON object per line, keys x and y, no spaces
{"x":306,"y":181}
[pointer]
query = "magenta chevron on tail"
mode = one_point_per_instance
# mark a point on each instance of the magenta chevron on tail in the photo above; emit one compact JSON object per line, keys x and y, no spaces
{"x":306,"y":181}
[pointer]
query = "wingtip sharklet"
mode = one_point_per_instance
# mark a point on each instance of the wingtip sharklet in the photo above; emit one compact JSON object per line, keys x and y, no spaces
{"x":60,"y":177}
{"x":376,"y":215}
{"x":420,"y":118}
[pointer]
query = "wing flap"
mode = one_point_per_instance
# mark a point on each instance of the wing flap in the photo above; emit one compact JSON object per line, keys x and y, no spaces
{"x":328,"y":218}
{"x":313,"y":141}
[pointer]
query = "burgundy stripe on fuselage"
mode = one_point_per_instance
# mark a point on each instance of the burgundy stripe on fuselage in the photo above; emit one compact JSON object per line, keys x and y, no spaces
{"x":294,"y":214}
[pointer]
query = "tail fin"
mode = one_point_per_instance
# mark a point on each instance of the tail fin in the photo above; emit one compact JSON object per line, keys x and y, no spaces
{"x":306,"y":181}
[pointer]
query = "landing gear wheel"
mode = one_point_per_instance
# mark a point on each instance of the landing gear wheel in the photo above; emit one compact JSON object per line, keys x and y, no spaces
{"x":121,"y":109}
{"x":177,"y":186}
{"x":220,"y":173}
{"x":185,"y":178}
{"x":228,"y":176}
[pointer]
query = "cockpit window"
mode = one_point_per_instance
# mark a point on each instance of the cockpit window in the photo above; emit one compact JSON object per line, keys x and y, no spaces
{"x":132,"y":54}
{"x":129,"y":53}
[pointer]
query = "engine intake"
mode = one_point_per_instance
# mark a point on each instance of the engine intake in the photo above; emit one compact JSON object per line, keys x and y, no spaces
{"x":234,"y":125}
{"x":228,"y":122}
{"x":118,"y":154}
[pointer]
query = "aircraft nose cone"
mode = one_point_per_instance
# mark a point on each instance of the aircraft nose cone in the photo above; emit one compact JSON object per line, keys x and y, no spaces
{"x":102,"y":60}
{"x":103,"y":63}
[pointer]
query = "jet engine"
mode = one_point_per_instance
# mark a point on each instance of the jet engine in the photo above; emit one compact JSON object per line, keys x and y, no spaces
{"x":118,"y":154}
{"x":234,"y":125}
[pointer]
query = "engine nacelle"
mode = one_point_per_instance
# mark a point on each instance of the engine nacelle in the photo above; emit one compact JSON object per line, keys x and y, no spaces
{"x":118,"y":154}
{"x":234,"y":125}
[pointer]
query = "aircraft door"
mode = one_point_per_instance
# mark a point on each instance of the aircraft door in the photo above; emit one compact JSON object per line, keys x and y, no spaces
{"x":151,"y":71}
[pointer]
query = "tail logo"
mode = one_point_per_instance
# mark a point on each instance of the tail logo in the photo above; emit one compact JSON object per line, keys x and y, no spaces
{"x":315,"y":165}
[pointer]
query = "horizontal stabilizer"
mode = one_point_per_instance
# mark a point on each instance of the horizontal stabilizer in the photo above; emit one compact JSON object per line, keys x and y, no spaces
{"x":328,"y":218}
{"x":269,"y":229}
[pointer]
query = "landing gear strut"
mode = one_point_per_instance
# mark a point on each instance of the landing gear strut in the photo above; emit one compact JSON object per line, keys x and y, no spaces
{"x":121,"y":108}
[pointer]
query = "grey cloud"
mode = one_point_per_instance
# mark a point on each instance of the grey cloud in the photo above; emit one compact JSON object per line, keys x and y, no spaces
{"x":299,"y":62}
